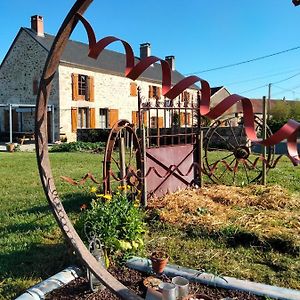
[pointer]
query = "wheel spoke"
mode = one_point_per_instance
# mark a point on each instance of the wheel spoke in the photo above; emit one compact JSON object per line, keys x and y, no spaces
{"x":116,"y":162}
{"x":252,"y":165}
{"x":224,"y":139}
{"x":246,"y":172}
{"x":225,"y":169}
{"x":221,"y":159}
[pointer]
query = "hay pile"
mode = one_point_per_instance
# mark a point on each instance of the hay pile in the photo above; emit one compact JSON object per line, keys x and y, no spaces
{"x":269,"y":213}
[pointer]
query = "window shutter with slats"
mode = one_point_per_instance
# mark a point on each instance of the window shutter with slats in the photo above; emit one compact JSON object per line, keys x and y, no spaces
{"x":92,"y":118}
{"x":160,"y":122}
{"x":134,"y":116}
{"x":133,"y":89}
{"x":113,"y":117}
{"x":145,"y":118}
{"x":150,"y":91}
{"x":74,"y":119}
{"x":91,"y":89}
{"x":75,"y":95}
{"x":158,"y":93}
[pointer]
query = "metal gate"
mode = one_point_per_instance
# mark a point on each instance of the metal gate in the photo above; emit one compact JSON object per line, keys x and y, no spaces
{"x":170,"y":141}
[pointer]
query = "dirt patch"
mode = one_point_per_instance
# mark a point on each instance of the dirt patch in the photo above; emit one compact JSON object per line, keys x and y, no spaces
{"x":79,"y":288}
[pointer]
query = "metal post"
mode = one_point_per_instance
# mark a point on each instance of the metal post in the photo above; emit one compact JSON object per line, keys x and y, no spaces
{"x":143,"y":168}
{"x":264,"y":136}
{"x":122,"y":161}
{"x":10,"y":124}
{"x":52,"y":125}
{"x":199,"y":141}
{"x":200,"y":158}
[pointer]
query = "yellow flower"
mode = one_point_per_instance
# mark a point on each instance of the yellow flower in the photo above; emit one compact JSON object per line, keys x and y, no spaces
{"x":136,"y":203}
{"x":93,"y":189}
{"x":107,"y":197}
{"x":135,"y":245}
{"x":124,"y":245}
{"x":123,"y":187}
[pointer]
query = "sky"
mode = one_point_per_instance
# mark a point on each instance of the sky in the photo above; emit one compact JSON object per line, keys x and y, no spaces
{"x":201,"y":34}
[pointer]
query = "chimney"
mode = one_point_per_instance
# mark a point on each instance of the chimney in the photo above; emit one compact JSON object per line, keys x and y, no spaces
{"x":171,"y":61}
{"x":145,"y":50}
{"x":37,"y":25}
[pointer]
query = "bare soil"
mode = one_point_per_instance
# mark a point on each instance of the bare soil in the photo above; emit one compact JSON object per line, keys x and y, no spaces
{"x":79,"y":288}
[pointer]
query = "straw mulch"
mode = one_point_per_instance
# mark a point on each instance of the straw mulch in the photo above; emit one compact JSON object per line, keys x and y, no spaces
{"x":267,"y":212}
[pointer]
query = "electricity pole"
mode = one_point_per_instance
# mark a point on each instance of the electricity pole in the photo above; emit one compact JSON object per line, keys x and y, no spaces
{"x":269,"y":102}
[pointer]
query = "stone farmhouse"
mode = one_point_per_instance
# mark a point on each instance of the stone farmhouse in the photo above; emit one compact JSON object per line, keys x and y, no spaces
{"x":86,"y":93}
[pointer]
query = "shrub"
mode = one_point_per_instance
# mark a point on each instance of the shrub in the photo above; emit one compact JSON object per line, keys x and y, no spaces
{"x":117,"y":221}
{"x":77,"y":146}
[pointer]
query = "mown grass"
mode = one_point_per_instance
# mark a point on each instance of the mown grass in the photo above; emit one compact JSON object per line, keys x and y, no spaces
{"x":31,"y":246}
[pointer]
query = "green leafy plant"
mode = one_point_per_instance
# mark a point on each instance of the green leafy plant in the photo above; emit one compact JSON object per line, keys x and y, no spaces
{"x":117,"y":221}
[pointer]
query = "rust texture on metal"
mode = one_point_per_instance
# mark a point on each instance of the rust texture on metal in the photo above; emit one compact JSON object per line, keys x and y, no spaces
{"x":111,"y":165}
{"x":289,"y":131}
{"x":43,"y":157}
{"x":169,"y":160}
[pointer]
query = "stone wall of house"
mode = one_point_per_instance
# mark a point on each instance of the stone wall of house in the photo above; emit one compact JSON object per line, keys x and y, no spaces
{"x":111,"y":92}
{"x":24,"y":65}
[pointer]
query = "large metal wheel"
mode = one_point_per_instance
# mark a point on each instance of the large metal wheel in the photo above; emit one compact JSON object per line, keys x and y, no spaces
{"x":122,"y":159}
{"x":230,"y":157}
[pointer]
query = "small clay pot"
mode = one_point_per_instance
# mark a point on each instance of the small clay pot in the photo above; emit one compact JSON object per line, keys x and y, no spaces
{"x":159,"y":261}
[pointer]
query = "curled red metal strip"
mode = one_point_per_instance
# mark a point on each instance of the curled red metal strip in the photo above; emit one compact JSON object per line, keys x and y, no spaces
{"x":289,"y":131}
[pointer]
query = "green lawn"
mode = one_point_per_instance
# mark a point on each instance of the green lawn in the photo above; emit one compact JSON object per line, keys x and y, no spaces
{"x":31,"y":247}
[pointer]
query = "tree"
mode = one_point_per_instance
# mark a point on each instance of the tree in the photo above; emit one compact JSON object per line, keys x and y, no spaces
{"x":281,"y":112}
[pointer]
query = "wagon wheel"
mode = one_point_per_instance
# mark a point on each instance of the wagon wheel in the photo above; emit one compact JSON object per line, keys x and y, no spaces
{"x":122,"y":159}
{"x":228,"y":147}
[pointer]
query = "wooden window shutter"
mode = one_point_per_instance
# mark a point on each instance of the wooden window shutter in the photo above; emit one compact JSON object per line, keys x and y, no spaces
{"x":74,"y":119}
{"x":158,"y":93}
{"x":91,"y":89}
{"x":92,"y":118}
{"x":75,"y":95}
{"x":150,"y":91}
{"x":134,"y":116}
{"x":145,"y":118}
{"x":160,"y":122}
{"x":113,"y":117}
{"x":133,"y":89}
{"x":182,"y":118}
{"x":188,"y":117}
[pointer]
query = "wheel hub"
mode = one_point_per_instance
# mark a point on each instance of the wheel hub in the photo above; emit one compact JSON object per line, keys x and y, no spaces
{"x":242,"y":152}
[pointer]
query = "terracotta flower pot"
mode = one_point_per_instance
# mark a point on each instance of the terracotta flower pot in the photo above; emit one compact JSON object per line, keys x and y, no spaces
{"x":10,"y":147}
{"x":159,"y":261}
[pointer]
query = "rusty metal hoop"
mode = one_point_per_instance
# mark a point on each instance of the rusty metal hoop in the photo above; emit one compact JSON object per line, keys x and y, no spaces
{"x":132,"y":160}
{"x":230,"y":158}
{"x":43,"y":161}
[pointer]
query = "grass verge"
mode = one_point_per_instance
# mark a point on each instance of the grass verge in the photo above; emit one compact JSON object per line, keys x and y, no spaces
{"x":32,"y":249}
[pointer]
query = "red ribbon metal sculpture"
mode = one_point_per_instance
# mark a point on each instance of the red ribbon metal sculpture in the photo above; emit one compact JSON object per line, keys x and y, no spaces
{"x":289,"y":131}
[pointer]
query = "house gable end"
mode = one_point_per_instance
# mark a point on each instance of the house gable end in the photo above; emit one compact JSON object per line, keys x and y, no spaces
{"x":22,"y":65}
